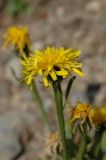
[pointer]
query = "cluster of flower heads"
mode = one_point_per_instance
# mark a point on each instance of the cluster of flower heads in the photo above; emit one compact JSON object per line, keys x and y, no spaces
{"x":18,"y":37}
{"x":84,"y":117}
{"x":51,"y":62}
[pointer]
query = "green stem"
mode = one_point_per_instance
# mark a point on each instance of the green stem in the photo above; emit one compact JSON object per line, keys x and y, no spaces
{"x":82,"y":148}
{"x":41,"y":105}
{"x":59,"y":108}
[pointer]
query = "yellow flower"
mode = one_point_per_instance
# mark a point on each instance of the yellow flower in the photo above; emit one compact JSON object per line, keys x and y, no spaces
{"x":99,"y":115}
{"x":52,"y":62}
{"x":29,"y":67}
{"x":82,"y":116}
{"x":53,"y":141}
{"x":18,"y":37}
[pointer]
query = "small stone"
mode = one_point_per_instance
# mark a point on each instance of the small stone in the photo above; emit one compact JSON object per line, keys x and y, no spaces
{"x":93,"y":6}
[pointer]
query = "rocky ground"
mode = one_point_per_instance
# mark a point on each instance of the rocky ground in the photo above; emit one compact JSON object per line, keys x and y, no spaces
{"x":69,"y":23}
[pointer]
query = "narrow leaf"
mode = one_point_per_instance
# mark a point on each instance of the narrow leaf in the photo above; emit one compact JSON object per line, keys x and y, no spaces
{"x":69,"y":88}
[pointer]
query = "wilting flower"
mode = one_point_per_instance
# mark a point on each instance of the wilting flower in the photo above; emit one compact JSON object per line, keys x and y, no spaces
{"x":18,"y":37}
{"x":82,"y":117}
{"x":51,"y":63}
{"x":53,"y":141}
{"x":99,"y":115}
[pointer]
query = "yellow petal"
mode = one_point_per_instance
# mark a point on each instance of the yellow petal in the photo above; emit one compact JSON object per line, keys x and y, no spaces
{"x":77,"y":71}
{"x":76,"y":53}
{"x":29,"y":80}
{"x":45,"y":81}
{"x":62,"y":72}
{"x":40,"y":72}
{"x":68,"y":50}
{"x":53,"y":75}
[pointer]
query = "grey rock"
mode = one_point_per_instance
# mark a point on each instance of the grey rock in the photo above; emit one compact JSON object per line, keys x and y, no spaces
{"x":12,"y":128}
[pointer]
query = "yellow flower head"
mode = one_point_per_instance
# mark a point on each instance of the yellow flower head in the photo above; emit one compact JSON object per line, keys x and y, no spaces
{"x":52,"y":62}
{"x":99,"y":115}
{"x":82,"y":116}
{"x":18,"y":37}
{"x":29,"y":67}
{"x":53,"y":141}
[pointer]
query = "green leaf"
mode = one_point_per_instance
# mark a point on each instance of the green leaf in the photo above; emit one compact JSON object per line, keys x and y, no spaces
{"x":69,"y":88}
{"x":13,"y":7}
{"x":103,"y":142}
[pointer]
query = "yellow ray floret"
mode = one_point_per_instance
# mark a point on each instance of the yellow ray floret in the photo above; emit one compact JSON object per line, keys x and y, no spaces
{"x":85,"y":116}
{"x":18,"y":37}
{"x":52,"y":62}
{"x":82,"y":116}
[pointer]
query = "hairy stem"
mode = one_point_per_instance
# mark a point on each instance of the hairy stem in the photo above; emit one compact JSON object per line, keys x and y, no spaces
{"x":59,"y":108}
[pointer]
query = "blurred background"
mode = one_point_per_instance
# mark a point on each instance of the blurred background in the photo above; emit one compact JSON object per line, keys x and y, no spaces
{"x":78,"y":24}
